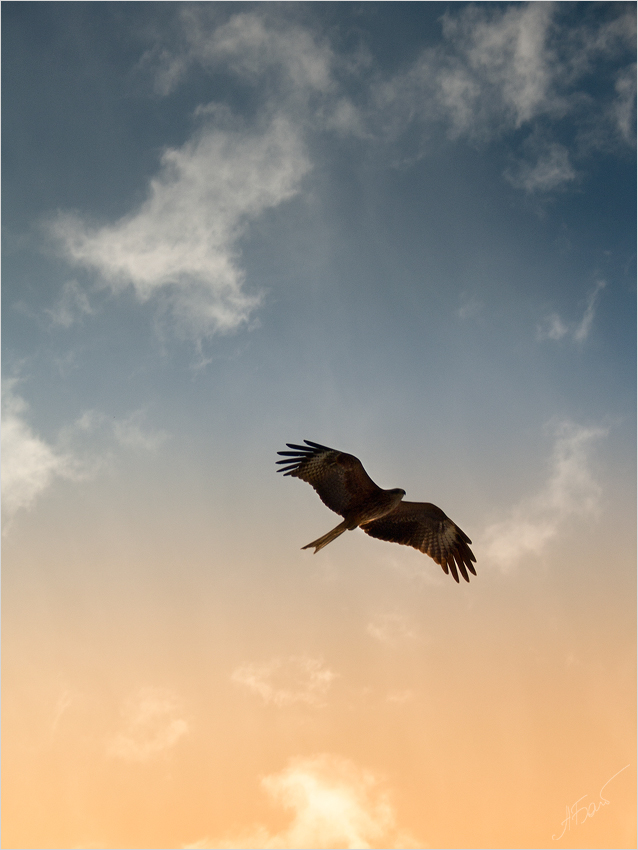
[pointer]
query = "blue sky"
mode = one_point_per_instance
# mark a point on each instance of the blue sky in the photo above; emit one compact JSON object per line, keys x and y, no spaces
{"x":405,"y":230}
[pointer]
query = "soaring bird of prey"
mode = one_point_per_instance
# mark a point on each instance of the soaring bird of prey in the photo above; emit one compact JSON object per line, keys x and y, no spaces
{"x":346,"y":488}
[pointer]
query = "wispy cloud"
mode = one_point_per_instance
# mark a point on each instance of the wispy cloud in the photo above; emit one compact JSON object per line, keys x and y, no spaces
{"x":399,"y":697}
{"x":181,"y":245}
{"x":492,"y":72}
{"x":581,"y":332}
{"x":554,"y":327}
{"x":297,"y":679}
{"x":260,"y":46}
{"x":66,"y":699}
{"x":153,"y":724}
{"x":571,"y":491}
{"x":504,"y":61}
{"x":499,"y":70}
{"x":470,"y":307}
{"x":294,"y":67}
{"x":130,"y":432}
{"x":518,"y":68}
{"x":623,"y":108}
{"x":72,"y":304}
{"x":391,"y":629}
{"x":334,"y":803}
{"x":547,"y":169}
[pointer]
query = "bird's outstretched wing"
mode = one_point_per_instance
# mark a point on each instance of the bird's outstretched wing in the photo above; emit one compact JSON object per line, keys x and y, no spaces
{"x":339,"y":479}
{"x":428,"y":529}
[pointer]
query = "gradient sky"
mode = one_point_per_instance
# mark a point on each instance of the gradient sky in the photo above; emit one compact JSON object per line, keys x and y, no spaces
{"x":403,"y":230}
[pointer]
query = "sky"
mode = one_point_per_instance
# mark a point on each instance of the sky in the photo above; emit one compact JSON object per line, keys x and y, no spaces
{"x":402,"y":230}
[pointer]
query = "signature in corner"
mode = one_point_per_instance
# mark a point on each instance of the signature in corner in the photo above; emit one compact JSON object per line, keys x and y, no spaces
{"x":576,"y":814}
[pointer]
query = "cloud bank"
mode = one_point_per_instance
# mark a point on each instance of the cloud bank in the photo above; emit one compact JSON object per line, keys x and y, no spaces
{"x":516,"y":72}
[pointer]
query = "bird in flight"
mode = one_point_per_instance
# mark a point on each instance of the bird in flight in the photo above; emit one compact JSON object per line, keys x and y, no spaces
{"x":346,"y":488}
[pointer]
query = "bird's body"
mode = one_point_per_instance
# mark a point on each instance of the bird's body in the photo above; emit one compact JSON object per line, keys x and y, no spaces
{"x":346,"y":488}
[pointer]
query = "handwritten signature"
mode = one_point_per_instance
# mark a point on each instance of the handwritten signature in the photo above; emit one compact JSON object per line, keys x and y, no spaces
{"x":583,"y":812}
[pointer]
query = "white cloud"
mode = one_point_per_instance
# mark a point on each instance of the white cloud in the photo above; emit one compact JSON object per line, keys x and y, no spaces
{"x":29,"y":463}
{"x":505,"y":51}
{"x":181,"y":245}
{"x":555,"y":328}
{"x":493,"y":71}
{"x":293,"y":67}
{"x":297,"y":679}
{"x":499,"y":67}
{"x":334,"y":803}
{"x":571,"y":491}
{"x":153,"y":724}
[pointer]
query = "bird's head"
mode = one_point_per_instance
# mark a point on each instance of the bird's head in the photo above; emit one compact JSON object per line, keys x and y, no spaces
{"x":398,"y":492}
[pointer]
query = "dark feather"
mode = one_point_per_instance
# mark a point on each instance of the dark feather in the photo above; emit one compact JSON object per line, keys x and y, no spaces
{"x":339,"y":478}
{"x":428,"y":529}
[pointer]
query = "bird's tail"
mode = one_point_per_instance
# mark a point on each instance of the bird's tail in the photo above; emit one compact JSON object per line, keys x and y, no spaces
{"x":329,"y":537}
